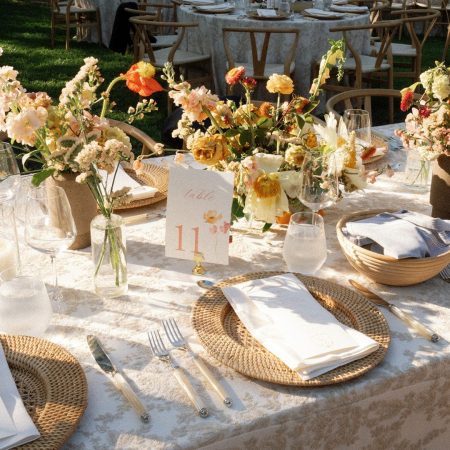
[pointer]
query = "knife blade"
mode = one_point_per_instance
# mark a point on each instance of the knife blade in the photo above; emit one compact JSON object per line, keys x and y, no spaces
{"x":414,"y":323}
{"x":108,"y":367}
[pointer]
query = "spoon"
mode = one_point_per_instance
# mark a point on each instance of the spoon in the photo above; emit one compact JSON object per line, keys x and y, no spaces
{"x":206,"y":284}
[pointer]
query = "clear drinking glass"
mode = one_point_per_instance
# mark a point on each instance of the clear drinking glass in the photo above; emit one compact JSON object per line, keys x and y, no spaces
{"x":318,"y":181}
{"x":305,"y":247}
{"x":358,"y":120}
{"x":9,"y":173}
{"x":49,"y":225}
{"x":24,"y":304}
{"x":285,"y":7}
{"x":9,"y":246}
{"x":240,"y":6}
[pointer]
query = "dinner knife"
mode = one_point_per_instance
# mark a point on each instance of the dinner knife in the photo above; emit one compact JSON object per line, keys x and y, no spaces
{"x":108,"y":367}
{"x":414,"y":323}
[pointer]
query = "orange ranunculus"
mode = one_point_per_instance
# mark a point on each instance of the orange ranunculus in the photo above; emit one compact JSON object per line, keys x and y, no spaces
{"x":140,"y":79}
{"x":285,"y":218}
{"x":235,"y":75}
{"x":249,"y":83}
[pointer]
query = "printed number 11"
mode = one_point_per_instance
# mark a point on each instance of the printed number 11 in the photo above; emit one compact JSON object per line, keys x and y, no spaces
{"x":180,"y":239}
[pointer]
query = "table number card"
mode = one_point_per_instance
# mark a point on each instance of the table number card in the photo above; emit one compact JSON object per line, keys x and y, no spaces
{"x":198,"y":214}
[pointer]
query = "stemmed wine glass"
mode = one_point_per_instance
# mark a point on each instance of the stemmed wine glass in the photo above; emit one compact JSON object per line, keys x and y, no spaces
{"x":358,"y":120}
{"x":49,"y":225}
{"x":9,"y":173}
{"x":319,"y":185}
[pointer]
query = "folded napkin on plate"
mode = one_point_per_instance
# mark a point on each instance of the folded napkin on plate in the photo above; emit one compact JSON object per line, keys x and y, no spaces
{"x":199,"y":2}
{"x":319,"y":12}
{"x":348,"y":8}
{"x":266,"y":12}
{"x":283,"y":316}
{"x":16,"y":427}
{"x":138,"y":192}
{"x":401,"y":234}
{"x":340,"y":2}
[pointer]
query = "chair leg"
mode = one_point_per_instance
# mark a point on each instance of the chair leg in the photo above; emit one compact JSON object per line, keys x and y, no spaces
{"x":391,"y":99}
{"x":447,"y":42}
{"x":211,"y":73}
{"x":67,"y":32}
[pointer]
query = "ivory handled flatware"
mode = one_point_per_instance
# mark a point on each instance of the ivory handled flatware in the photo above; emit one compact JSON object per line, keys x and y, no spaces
{"x":414,"y":323}
{"x":108,"y":367}
{"x":176,"y":339}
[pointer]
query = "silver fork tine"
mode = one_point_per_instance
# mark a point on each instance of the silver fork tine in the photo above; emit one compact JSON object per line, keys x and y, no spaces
{"x":161,"y":343}
{"x":176,"y":330}
{"x":168,"y":329}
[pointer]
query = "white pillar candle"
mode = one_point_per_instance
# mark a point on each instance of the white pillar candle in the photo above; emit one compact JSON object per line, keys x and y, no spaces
{"x":7,"y":254}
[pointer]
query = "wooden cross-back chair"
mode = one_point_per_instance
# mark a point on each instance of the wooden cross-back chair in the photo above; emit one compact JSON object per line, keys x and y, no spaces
{"x":375,"y":7}
{"x":258,"y":68}
{"x":413,"y":51}
{"x":148,"y":144}
{"x":66,"y":16}
{"x":443,"y":6}
{"x":181,"y":60}
{"x":366,"y":68}
{"x":362,"y":99}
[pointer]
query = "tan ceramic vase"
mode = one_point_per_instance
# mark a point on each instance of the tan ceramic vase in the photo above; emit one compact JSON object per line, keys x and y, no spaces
{"x":83,"y":204}
{"x":440,"y":188}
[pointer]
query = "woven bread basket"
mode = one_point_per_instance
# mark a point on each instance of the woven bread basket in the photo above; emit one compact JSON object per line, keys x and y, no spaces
{"x":385,"y":269}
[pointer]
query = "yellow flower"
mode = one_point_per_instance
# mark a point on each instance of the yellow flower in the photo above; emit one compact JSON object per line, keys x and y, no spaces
{"x":280,"y":84}
{"x":267,"y":186}
{"x":295,"y":155}
{"x":311,"y":141}
{"x":146,"y":70}
{"x":210,"y":150}
{"x":211,"y":216}
{"x":336,"y":55}
{"x":119,"y":135}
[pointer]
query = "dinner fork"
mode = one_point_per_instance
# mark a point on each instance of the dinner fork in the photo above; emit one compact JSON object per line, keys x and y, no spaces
{"x":445,"y":273}
{"x":159,"y":350}
{"x":177,"y":340}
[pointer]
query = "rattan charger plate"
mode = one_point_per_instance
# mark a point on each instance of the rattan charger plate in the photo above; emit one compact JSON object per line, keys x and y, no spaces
{"x":378,"y":143}
{"x":225,"y":337}
{"x":52,"y":385}
{"x":154,"y":176}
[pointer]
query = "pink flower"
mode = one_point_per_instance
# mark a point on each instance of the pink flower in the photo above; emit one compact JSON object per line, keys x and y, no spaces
{"x":179,"y":158}
{"x":23,"y":126}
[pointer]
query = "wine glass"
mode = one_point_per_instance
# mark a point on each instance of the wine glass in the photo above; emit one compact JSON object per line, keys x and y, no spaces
{"x":49,"y":225}
{"x":9,"y":173}
{"x":305,"y":247}
{"x":319,"y":186}
{"x":24,"y":304}
{"x":358,"y":120}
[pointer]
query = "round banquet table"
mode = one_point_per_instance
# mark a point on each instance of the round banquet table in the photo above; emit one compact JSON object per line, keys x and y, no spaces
{"x":313,"y":42}
{"x":401,"y":403}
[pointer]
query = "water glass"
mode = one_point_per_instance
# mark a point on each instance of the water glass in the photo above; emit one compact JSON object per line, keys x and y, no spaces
{"x":240,"y":6}
{"x":285,"y":7}
{"x":25,"y":307}
{"x":9,"y":173}
{"x":9,"y":250}
{"x":305,"y":248}
{"x":358,"y":120}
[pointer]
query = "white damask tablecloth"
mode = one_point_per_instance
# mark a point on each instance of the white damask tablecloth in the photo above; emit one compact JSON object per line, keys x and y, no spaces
{"x":313,"y":43}
{"x":401,"y":403}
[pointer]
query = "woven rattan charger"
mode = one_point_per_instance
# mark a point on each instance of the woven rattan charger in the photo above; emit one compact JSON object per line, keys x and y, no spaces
{"x":52,"y":385}
{"x":224,"y":336}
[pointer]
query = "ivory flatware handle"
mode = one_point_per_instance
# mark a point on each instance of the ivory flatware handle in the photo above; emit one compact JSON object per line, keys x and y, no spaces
{"x":191,"y":392}
{"x":218,"y":389}
{"x":130,"y":395}
{"x":414,"y":323}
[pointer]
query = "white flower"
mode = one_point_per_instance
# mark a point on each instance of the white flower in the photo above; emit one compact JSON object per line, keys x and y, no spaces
{"x":441,"y":87}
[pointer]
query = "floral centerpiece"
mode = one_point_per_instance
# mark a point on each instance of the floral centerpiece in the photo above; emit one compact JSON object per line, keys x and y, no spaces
{"x":68,"y":137}
{"x":265,"y":144}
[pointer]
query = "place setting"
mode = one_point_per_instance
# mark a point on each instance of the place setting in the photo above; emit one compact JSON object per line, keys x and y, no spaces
{"x":270,"y":261}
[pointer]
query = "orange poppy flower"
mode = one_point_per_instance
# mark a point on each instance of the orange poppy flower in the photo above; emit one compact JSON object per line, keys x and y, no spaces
{"x":235,"y":75}
{"x":140,"y":79}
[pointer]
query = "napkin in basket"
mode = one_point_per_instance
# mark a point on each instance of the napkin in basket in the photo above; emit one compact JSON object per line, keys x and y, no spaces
{"x":283,"y":316}
{"x":266,"y":12}
{"x":401,"y":234}
{"x":349,"y":8}
{"x":138,"y":192}
{"x":16,"y":427}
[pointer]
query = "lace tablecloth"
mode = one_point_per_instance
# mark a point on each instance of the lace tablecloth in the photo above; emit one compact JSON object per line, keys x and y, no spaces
{"x":313,"y":43}
{"x":401,"y":403}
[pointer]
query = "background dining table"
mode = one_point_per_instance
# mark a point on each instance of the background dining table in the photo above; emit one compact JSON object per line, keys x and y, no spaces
{"x":312,"y":45}
{"x":401,"y":403}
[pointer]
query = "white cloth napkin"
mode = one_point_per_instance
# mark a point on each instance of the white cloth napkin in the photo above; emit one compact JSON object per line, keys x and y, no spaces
{"x":284,"y":317}
{"x":340,"y":2}
{"x":267,"y":13}
{"x":224,"y":7}
{"x":199,"y":2}
{"x":402,"y":234}
{"x":16,"y":427}
{"x":319,"y":12}
{"x":138,"y":192}
{"x":349,"y":8}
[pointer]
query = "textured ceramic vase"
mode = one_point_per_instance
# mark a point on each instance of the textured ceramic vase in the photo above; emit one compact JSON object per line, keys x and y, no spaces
{"x":83,"y":204}
{"x":440,"y":188}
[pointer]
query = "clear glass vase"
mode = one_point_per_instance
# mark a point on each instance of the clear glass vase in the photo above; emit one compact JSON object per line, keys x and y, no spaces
{"x":109,"y":255}
{"x":417,"y":172}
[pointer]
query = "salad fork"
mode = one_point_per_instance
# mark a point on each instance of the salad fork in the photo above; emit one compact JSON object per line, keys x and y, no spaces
{"x":176,"y":339}
{"x":445,"y":273}
{"x":159,"y":350}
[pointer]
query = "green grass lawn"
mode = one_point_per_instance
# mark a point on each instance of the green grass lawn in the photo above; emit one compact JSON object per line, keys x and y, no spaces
{"x":25,"y":38}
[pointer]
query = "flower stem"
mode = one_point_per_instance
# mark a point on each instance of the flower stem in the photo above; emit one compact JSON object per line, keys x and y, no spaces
{"x":108,"y":90}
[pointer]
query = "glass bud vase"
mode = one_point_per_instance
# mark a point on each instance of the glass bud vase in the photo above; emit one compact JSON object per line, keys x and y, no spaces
{"x":109,"y":255}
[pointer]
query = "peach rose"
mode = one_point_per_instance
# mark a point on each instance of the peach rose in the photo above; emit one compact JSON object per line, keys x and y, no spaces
{"x":210,"y":150}
{"x":280,"y":84}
